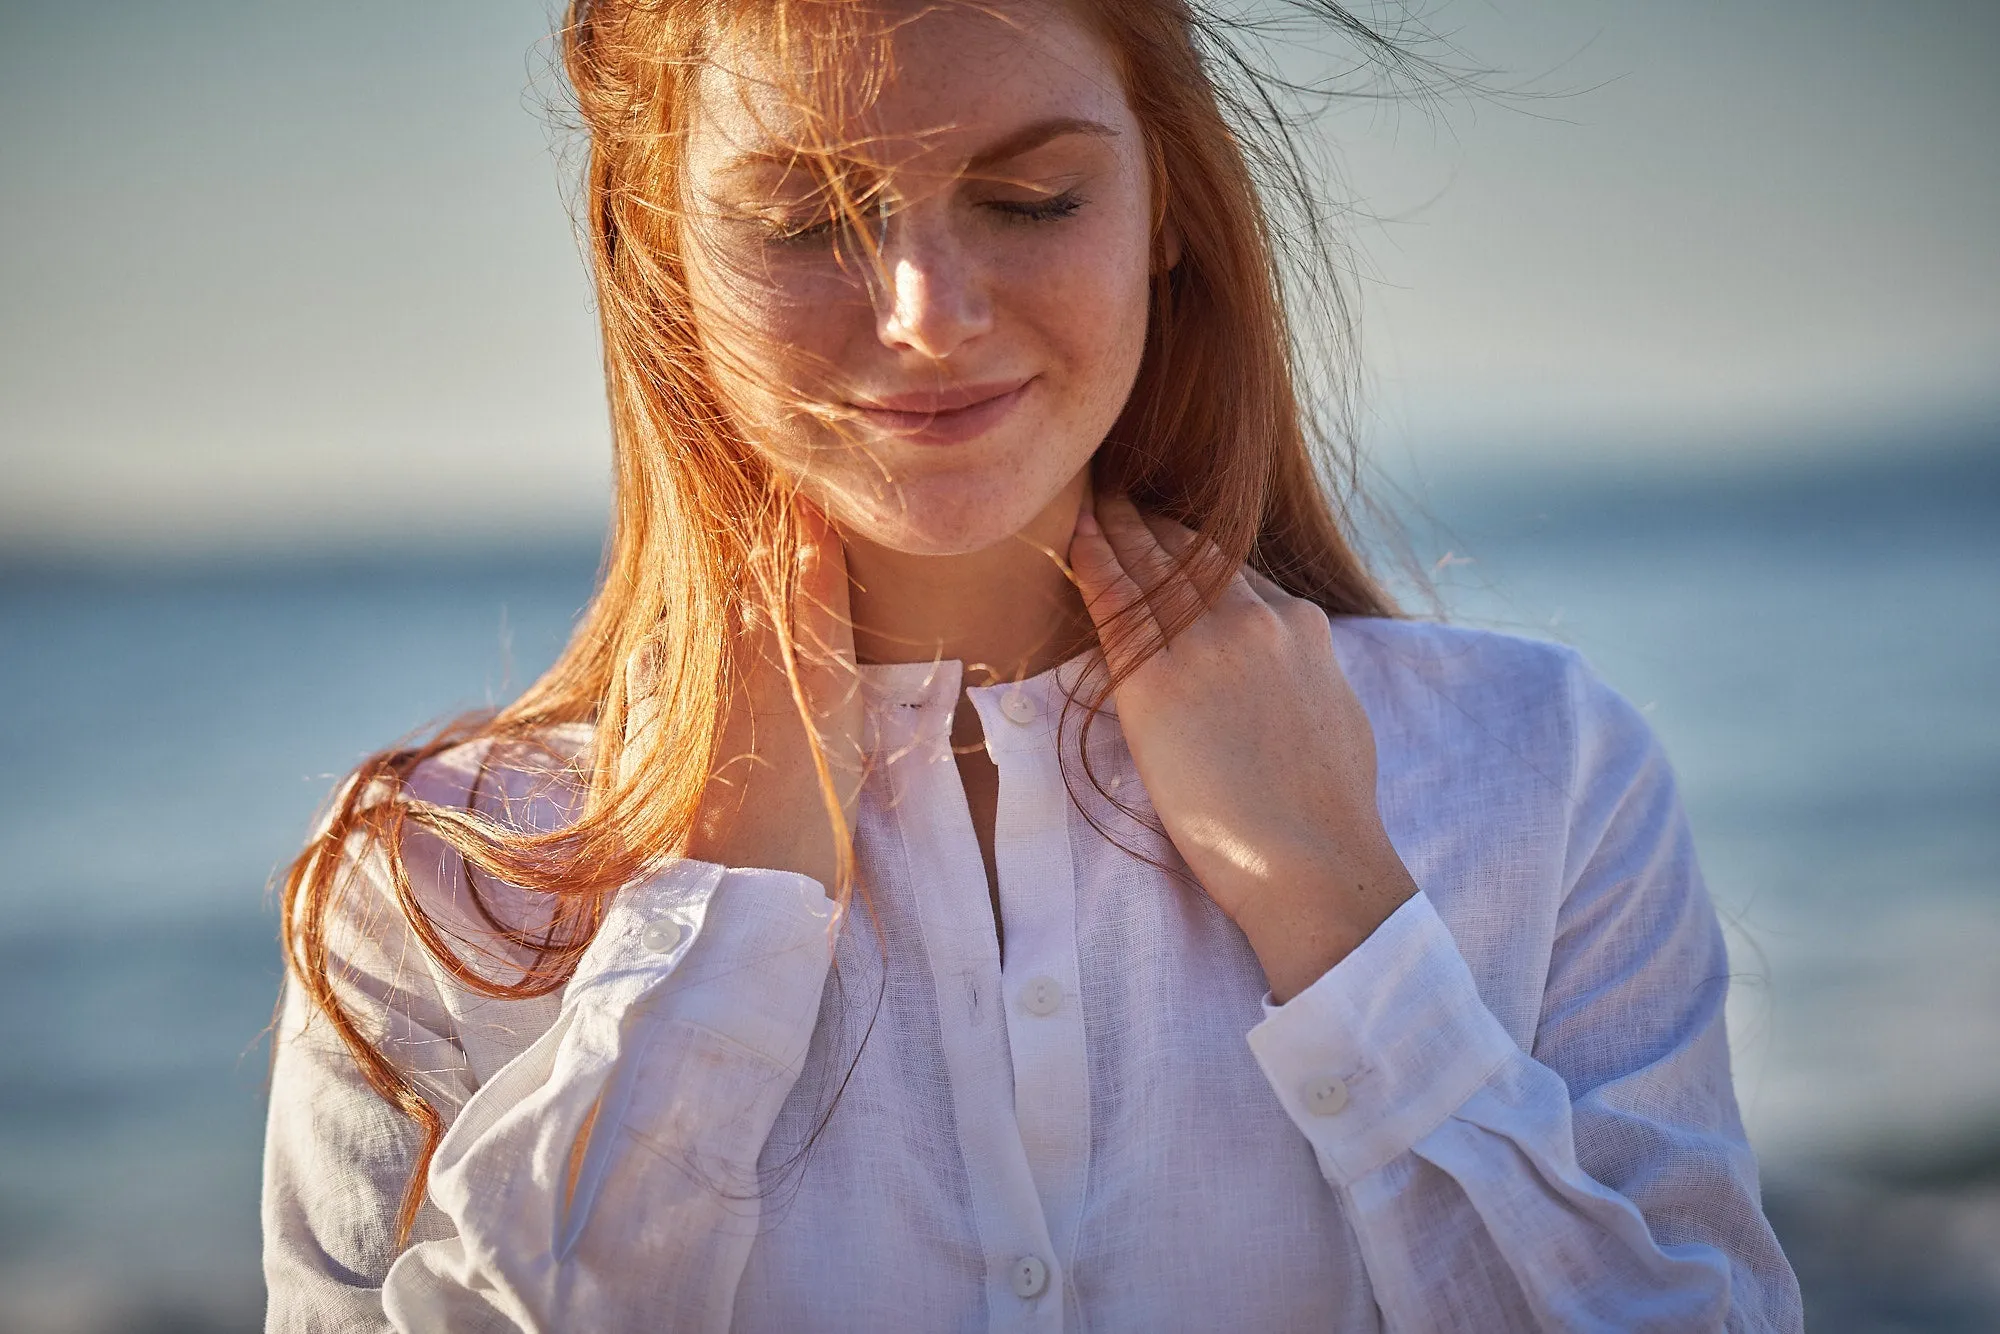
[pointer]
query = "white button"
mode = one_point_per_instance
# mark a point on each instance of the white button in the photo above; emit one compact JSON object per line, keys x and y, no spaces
{"x":1030,"y":1277}
{"x":1019,"y":708}
{"x":661,"y":935}
{"x":1042,"y":996}
{"x":1326,"y":1097}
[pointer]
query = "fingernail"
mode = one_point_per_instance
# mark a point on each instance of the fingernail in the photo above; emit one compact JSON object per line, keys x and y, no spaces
{"x":1086,"y":522}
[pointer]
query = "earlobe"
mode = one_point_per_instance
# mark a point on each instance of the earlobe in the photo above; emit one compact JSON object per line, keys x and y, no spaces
{"x":1168,"y":250}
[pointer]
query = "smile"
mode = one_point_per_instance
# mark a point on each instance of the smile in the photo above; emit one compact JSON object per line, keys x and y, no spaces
{"x":944,"y":418}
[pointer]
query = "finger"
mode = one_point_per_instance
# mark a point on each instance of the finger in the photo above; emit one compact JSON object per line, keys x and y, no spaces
{"x":1265,"y":588}
{"x":1168,"y":593}
{"x":1137,"y":549}
{"x":1192,"y":552}
{"x":1177,"y":539}
{"x":1303,"y":614}
{"x":1116,"y":605}
{"x":642,"y":673}
{"x":1174,"y":539}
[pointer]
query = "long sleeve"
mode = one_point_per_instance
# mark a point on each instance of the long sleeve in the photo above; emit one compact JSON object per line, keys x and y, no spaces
{"x":607,"y":1176}
{"x":1600,"y":1181}
{"x":604,"y":1177}
{"x":337,"y":1156}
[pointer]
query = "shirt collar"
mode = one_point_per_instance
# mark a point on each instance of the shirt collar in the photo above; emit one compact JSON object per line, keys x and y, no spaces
{"x":912,"y":699}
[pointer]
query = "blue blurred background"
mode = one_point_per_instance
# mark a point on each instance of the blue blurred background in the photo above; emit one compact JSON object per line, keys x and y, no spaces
{"x":1688,"y":359}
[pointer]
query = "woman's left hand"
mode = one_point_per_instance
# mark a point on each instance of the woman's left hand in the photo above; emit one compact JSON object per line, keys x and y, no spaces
{"x":1253,"y":747}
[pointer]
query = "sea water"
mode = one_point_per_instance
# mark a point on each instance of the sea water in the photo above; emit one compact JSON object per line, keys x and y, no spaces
{"x":1819,"y":647}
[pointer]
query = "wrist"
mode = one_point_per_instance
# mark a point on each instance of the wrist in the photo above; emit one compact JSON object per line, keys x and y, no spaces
{"x":1303,"y":924}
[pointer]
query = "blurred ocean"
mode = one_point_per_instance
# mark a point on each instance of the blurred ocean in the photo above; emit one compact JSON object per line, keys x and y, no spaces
{"x":1819,"y":646}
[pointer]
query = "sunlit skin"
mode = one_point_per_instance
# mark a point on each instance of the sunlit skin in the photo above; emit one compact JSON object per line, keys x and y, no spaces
{"x":954,"y":395}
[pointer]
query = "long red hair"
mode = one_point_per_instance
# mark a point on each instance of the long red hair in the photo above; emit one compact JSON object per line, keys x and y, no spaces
{"x":1215,"y":434}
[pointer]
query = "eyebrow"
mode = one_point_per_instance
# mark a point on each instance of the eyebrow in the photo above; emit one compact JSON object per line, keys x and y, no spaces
{"x":1024,"y":140}
{"x":1030,"y":137}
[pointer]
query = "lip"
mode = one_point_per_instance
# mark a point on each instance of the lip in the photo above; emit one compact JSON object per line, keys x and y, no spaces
{"x":944,"y":417}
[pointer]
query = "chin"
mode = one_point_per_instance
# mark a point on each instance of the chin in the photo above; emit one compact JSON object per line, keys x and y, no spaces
{"x":954,"y":519}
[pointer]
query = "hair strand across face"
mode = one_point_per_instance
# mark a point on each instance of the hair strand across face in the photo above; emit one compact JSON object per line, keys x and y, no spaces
{"x":705,"y":531}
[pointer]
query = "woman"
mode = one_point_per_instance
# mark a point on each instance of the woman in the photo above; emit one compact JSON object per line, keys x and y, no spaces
{"x":990,"y":858}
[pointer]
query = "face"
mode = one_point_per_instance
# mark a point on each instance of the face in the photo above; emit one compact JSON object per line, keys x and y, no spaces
{"x":938,"y":376}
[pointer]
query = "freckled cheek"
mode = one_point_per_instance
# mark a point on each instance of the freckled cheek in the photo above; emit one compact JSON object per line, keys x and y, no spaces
{"x":1089,"y":304}
{"x":786,"y":334}
{"x":788,"y":325}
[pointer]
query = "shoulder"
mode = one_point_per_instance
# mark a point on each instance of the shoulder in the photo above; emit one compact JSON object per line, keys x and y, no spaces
{"x":521,"y":785}
{"x":1460,"y":705}
{"x":517,"y":786}
{"x":1453,"y":682}
{"x":534,"y":783}
{"x":1523,"y":793}
{"x":405,"y":884}
{"x":1434,"y":654}
{"x":387,"y":942}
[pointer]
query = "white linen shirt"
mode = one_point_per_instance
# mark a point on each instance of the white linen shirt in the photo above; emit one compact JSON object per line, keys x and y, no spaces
{"x":1509,"y":1109}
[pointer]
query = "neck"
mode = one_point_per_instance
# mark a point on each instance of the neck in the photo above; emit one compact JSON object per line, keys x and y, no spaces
{"x":1006,"y":612}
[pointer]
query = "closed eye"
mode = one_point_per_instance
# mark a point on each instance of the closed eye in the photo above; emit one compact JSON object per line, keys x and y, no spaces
{"x":1052,"y":209}
{"x":821,"y":223}
{"x":822,"y":226}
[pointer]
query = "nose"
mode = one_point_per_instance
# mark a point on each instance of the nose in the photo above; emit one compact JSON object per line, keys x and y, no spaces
{"x":934,"y":296}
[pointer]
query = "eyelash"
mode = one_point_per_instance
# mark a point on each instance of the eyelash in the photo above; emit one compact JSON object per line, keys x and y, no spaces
{"x":1053,"y":209}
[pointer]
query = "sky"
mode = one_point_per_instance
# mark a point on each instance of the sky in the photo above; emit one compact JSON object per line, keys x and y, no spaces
{"x":281,"y":275}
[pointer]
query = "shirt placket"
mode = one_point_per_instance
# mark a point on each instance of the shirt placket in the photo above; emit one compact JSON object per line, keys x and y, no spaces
{"x":1024,"y":1279}
{"x":1041,"y":984}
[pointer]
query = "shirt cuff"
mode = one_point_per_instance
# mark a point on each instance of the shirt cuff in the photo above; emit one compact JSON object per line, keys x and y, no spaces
{"x":742,"y":952}
{"x":1381,"y":1049}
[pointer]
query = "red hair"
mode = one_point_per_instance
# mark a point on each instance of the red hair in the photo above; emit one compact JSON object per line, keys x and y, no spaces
{"x":1214,"y":434}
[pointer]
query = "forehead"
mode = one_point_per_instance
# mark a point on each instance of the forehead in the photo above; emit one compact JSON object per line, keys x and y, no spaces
{"x":896,"y":84}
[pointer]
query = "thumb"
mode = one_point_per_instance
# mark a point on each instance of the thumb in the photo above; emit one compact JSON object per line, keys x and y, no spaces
{"x":642,"y":706}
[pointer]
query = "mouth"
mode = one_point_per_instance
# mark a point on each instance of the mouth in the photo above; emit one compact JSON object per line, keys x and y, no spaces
{"x":945,"y":417}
